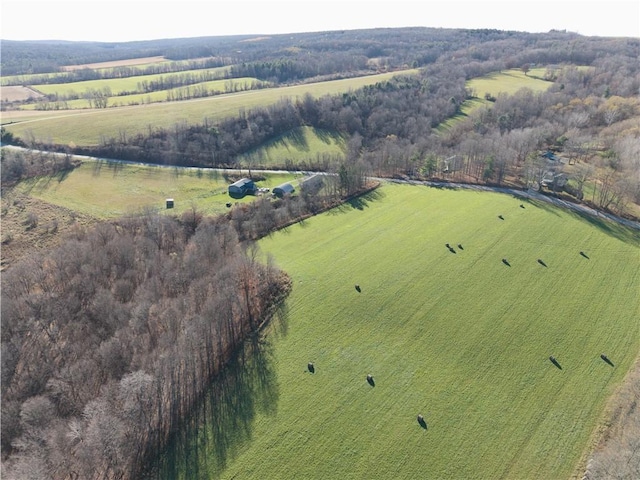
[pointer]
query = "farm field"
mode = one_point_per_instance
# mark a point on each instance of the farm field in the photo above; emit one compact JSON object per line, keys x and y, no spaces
{"x":108,"y":190}
{"x":18,"y":93}
{"x":508,"y":81}
{"x":88,"y":127}
{"x":175,"y":94}
{"x":461,"y":338}
{"x":120,"y":85}
{"x":132,"y":62}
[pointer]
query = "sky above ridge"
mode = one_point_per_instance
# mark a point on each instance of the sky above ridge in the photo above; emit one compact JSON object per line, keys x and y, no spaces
{"x":119,"y":21}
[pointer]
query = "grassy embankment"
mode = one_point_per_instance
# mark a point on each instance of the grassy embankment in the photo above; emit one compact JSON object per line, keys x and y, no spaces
{"x":461,"y":338}
{"x":304,"y":144}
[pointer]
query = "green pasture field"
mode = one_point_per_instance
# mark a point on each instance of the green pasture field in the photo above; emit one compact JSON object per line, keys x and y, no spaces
{"x":506,"y":82}
{"x":109,"y":189}
{"x":466,"y":108}
{"x":88,"y":127}
{"x":26,"y":79}
{"x":461,"y":338}
{"x":117,"y":85}
{"x":133,"y":64}
{"x":161,"y":95}
{"x":299,"y":145}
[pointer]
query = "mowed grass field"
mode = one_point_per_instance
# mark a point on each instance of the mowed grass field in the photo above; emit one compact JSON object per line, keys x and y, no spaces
{"x":89,"y":127}
{"x":460,"y":338}
{"x":108,"y":190}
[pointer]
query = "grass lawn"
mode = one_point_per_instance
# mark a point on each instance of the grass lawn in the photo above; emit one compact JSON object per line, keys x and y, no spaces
{"x":81,"y":127}
{"x":109,"y":190}
{"x":460,"y":338}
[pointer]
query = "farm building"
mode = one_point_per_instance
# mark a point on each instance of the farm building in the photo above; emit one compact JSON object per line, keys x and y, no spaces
{"x":313,"y":184}
{"x":554,"y":180}
{"x":284,"y":189}
{"x":242,"y":187}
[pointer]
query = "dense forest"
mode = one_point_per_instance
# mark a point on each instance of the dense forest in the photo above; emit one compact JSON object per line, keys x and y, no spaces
{"x":110,"y":340}
{"x":296,"y":56}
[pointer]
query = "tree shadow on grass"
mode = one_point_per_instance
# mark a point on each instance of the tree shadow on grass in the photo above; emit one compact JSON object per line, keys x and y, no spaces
{"x":598,"y":220}
{"x":223,"y":422}
{"x":329,"y":137}
{"x":112,"y":166}
{"x":294,"y":137}
{"x":610,"y":227}
{"x":359,"y":202}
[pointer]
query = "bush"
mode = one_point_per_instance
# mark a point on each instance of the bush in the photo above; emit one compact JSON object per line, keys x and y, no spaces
{"x":32,"y":221}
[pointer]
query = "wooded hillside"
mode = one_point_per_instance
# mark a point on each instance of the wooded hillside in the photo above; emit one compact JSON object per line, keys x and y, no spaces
{"x":110,"y":340}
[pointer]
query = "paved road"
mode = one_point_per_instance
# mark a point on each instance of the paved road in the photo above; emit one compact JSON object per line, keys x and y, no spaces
{"x":528,"y":194}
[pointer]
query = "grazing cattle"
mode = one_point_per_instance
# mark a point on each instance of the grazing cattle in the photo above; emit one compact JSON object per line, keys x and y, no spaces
{"x":500,"y":217}
{"x":460,"y":246}
{"x":584,"y":255}
{"x":521,"y":206}
{"x":606,"y":359}
{"x":506,"y":262}
{"x":358,"y":288}
{"x":541,"y":262}
{"x":555,"y":362}
{"x":311,"y":367}
{"x":422,"y":422}
{"x":370,"y":380}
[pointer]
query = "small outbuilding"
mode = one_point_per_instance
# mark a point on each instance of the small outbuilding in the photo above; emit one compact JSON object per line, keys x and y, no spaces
{"x":242,"y":187}
{"x":283,"y":190}
{"x":169,"y":203}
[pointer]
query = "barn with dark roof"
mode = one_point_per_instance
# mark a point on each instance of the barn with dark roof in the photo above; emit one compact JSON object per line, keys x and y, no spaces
{"x":242,"y":187}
